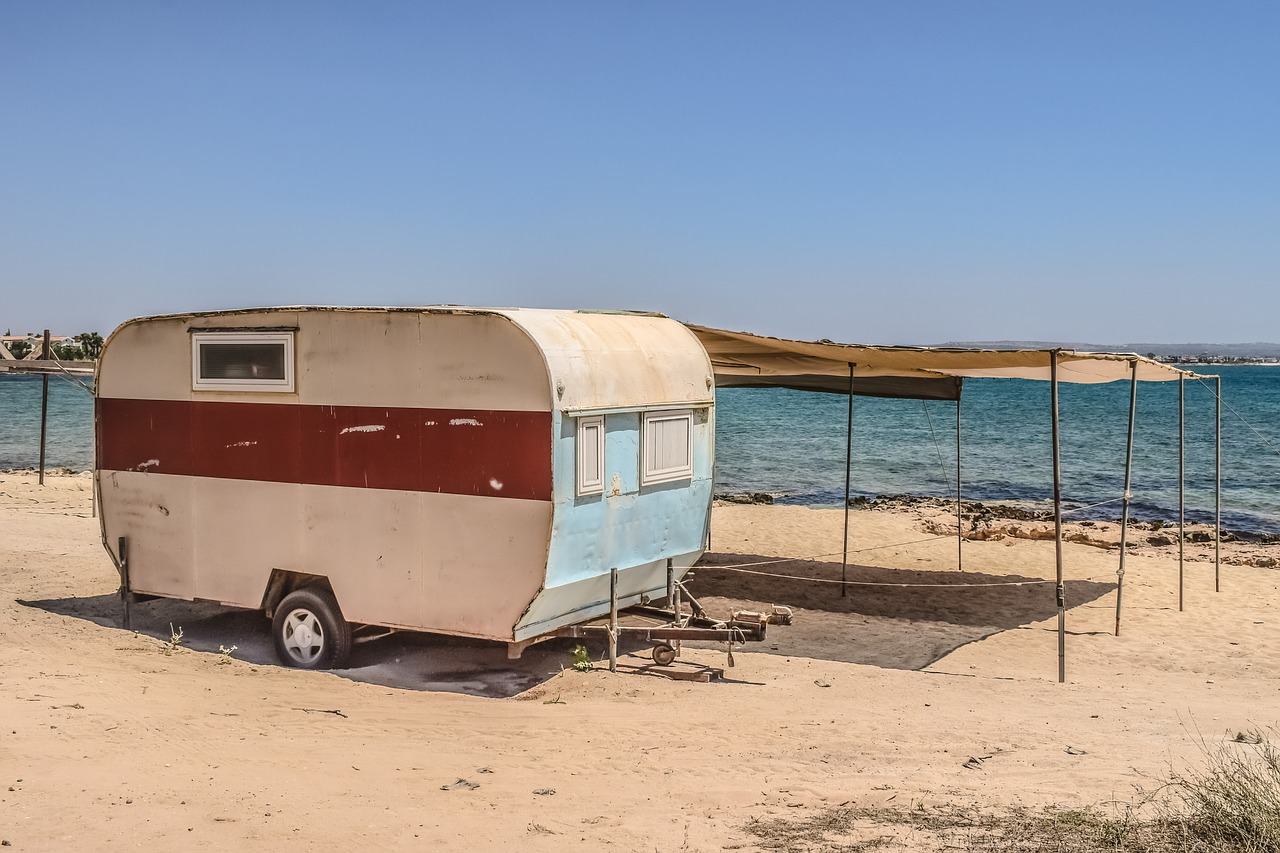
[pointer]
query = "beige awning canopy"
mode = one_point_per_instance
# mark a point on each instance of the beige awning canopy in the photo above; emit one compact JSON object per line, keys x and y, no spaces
{"x":741,"y":359}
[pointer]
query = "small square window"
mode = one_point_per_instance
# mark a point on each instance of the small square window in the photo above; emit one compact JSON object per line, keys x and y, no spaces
{"x":242,"y":361}
{"x":590,"y":455}
{"x":667,"y":447}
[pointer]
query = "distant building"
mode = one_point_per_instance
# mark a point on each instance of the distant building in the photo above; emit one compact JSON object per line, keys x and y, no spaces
{"x":31,"y":344}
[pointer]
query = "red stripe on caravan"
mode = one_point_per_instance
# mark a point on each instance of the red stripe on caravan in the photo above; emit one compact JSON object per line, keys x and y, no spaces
{"x":455,"y":451}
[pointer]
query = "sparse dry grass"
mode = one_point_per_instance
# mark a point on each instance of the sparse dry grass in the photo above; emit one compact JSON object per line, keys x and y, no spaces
{"x":955,"y":828}
{"x":1233,"y":802}
{"x":1230,"y":804}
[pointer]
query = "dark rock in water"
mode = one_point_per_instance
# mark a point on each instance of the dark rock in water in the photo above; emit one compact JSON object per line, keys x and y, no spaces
{"x":746,"y":498}
{"x":973,"y":511}
{"x":1207,"y":536}
{"x":906,"y":502}
{"x":1018,"y":513}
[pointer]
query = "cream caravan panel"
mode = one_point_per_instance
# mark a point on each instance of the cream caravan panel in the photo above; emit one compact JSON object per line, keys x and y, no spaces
{"x":370,"y":544}
{"x":156,"y":513}
{"x":358,"y":358}
{"x":448,"y":563}
{"x":243,"y":530}
{"x":150,"y":358}
{"x":411,"y":359}
{"x":482,"y":361}
{"x":486,"y":562}
{"x":605,"y":360}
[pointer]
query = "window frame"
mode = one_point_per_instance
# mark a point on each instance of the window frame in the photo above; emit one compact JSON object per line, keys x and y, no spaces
{"x":200,"y":383}
{"x":647,"y":434}
{"x":584,"y":426}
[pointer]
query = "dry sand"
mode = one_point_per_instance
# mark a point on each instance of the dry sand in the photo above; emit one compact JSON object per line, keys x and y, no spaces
{"x":113,"y":738}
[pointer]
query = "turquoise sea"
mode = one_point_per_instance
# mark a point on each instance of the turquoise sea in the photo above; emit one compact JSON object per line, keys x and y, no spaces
{"x":791,"y":444}
{"x":70,"y":437}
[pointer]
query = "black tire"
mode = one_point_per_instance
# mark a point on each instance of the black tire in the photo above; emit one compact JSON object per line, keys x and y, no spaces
{"x":309,"y":631}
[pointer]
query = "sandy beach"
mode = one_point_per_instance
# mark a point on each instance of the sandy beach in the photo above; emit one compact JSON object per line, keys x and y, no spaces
{"x":890,"y":696}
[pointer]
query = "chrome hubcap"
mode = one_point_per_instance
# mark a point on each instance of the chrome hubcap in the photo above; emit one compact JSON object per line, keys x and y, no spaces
{"x":303,"y":636}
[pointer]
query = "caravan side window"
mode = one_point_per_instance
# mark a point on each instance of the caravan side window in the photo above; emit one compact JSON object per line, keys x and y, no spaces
{"x":591,"y":455}
{"x":667,"y":447}
{"x":242,"y":361}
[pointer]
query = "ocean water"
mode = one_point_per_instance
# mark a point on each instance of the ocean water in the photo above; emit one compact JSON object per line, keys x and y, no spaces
{"x":69,"y":443}
{"x":792,"y":444}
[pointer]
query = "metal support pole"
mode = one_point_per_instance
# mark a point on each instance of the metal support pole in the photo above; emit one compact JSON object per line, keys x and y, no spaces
{"x":126,"y":588}
{"x":678,"y":609}
{"x":613,"y":620}
{"x":1217,"y":494}
{"x":678,"y":602}
{"x":959,"y":512}
{"x":1128,"y":482}
{"x":1057,"y":517}
{"x":1182,"y":483}
{"x":44,"y":403}
{"x":671,"y":582}
{"x":848,"y":465}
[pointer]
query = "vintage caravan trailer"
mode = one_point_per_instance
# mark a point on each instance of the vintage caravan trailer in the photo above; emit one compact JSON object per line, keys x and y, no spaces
{"x":465,"y":471}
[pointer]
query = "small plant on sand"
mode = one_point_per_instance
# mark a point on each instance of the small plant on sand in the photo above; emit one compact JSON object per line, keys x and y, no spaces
{"x":581,"y":658}
{"x":225,"y":653}
{"x":175,"y":640}
{"x":1233,"y":803}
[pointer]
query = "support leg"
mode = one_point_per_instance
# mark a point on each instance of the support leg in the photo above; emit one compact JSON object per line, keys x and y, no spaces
{"x":613,"y":620}
{"x":126,"y":588}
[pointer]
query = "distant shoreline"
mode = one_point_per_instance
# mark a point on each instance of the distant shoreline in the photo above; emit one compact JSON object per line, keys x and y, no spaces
{"x":1222,"y":363}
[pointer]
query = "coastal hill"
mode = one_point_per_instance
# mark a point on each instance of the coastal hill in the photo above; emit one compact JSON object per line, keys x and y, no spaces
{"x":1245,"y":350}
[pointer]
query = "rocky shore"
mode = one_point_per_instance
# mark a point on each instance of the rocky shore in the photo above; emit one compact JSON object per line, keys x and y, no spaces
{"x":992,"y":522}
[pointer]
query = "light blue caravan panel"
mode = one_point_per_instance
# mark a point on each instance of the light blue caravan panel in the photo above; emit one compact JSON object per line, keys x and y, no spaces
{"x":630,"y":526}
{"x":634,"y":409}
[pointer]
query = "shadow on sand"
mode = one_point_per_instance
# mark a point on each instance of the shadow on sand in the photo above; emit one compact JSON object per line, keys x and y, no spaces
{"x":896,"y":627}
{"x":405,"y":660}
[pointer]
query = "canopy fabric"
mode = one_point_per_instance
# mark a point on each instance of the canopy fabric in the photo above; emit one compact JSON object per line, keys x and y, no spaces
{"x":741,"y":359}
{"x":908,"y":388}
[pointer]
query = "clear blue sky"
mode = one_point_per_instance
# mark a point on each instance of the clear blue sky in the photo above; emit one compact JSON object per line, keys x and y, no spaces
{"x":884,"y":172}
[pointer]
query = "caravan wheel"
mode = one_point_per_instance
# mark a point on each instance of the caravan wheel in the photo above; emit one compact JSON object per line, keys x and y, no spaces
{"x":309,"y":630}
{"x":664,"y":654}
